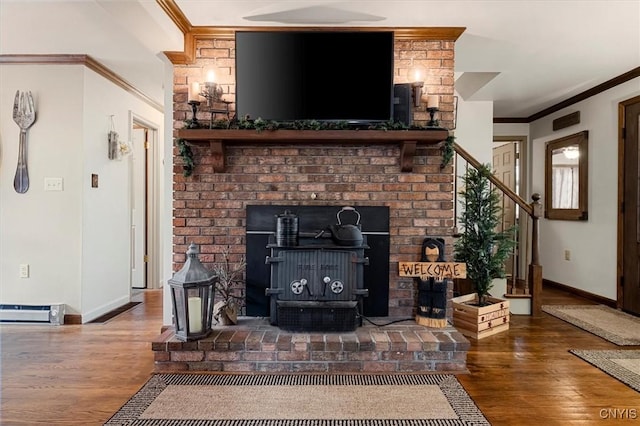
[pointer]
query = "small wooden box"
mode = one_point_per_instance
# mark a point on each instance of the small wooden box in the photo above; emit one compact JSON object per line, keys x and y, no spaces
{"x":479,"y":322}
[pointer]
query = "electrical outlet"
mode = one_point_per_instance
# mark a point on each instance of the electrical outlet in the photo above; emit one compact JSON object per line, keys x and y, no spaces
{"x":24,"y":270}
{"x":52,"y":184}
{"x":567,"y":255}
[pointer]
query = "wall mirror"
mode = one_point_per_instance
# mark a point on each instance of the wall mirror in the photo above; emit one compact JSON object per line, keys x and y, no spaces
{"x":566,"y":178}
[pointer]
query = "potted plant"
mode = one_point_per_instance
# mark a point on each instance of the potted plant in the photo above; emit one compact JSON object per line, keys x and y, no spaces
{"x":485,"y":250}
{"x":230,"y":275}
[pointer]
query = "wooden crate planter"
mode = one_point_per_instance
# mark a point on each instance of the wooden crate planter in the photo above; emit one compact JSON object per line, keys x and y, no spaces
{"x":479,"y":322}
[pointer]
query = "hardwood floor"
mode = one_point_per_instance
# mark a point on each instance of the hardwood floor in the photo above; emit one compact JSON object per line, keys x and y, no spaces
{"x":82,"y":374}
{"x":76,"y":374}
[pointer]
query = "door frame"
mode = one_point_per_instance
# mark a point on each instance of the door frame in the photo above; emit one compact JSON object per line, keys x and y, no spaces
{"x":622,"y":109}
{"x":152,"y":201}
{"x":524,"y":243}
{"x":139,"y":160}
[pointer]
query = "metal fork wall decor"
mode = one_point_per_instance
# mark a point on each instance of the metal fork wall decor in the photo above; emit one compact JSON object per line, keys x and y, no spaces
{"x":24,"y":114}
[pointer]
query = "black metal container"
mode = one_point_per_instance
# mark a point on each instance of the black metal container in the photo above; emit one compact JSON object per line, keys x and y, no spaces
{"x":287,"y":229}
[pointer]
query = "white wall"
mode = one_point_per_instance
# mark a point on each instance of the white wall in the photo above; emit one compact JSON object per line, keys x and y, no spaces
{"x":593,"y":243}
{"x":474,"y":129}
{"x":511,"y":129}
{"x":474,"y":134}
{"x":76,"y":241}
{"x":41,"y":228}
{"x":106,"y":235}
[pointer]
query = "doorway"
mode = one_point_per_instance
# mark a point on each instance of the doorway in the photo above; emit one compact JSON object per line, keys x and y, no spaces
{"x":143,"y":208}
{"x":628,"y":293}
{"x":508,"y":166}
{"x":138,"y":211}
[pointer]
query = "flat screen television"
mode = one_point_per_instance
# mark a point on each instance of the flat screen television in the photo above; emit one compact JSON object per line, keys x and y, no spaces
{"x":315,"y":75}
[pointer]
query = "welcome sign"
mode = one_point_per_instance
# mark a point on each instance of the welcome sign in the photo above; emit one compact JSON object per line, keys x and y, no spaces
{"x":437,"y":270}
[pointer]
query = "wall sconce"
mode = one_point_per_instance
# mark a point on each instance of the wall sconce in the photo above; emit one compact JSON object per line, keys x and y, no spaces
{"x":417,"y":73}
{"x":116,"y":148}
{"x":417,"y":92}
{"x":212,"y":92}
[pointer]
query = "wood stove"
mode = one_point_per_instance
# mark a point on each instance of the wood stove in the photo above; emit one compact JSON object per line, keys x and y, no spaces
{"x":316,"y":285}
{"x":262,"y":226}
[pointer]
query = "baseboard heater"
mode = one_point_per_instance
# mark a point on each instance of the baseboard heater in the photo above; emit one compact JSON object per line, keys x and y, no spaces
{"x":51,"y":314}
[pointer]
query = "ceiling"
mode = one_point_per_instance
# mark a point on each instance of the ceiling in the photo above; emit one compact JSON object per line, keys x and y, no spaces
{"x":524,"y":56}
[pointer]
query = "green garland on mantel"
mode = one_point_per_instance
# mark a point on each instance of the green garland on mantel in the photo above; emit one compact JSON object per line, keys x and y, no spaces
{"x":260,"y":125}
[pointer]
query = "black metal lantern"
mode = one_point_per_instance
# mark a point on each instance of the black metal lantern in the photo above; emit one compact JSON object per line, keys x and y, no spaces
{"x":192,"y":292}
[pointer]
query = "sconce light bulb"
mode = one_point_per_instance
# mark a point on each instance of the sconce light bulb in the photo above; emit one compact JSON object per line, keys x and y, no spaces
{"x":211,"y":76}
{"x":418,"y":72}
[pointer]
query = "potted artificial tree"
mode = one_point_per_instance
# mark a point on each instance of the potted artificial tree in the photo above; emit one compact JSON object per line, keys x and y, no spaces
{"x":485,"y":250}
{"x":230,"y":275}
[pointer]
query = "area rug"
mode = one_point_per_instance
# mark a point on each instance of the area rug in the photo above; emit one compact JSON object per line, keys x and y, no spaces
{"x":610,"y":324}
{"x":623,"y":365}
{"x":300,"y":399}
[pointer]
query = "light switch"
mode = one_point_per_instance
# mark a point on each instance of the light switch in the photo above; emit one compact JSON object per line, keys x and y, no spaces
{"x":52,"y":184}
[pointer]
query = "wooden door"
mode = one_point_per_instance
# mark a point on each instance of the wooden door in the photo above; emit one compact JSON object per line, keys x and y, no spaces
{"x":631,"y":210}
{"x":504,"y":167}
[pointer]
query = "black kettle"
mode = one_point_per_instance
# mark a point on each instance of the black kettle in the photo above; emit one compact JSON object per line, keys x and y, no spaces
{"x":347,"y":234}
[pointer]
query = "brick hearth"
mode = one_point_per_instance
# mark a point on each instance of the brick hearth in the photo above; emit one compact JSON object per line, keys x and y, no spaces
{"x":255,"y":346}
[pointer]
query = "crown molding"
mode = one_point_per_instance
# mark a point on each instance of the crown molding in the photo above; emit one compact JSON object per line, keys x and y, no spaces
{"x":510,"y":120}
{"x":616,"y":81}
{"x":175,"y":14}
{"x":188,"y":56}
{"x":85,"y":60}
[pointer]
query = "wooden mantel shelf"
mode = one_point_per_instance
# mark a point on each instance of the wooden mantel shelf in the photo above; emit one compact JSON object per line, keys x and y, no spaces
{"x":407,"y":139}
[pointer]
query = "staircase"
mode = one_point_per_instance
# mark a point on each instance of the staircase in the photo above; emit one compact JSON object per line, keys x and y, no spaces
{"x":523,"y":285}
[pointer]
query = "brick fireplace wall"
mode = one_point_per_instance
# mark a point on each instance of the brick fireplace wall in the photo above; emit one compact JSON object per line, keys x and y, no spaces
{"x":210,"y":207}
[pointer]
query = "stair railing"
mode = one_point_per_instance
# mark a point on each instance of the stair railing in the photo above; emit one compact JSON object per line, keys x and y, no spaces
{"x":532,"y":211}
